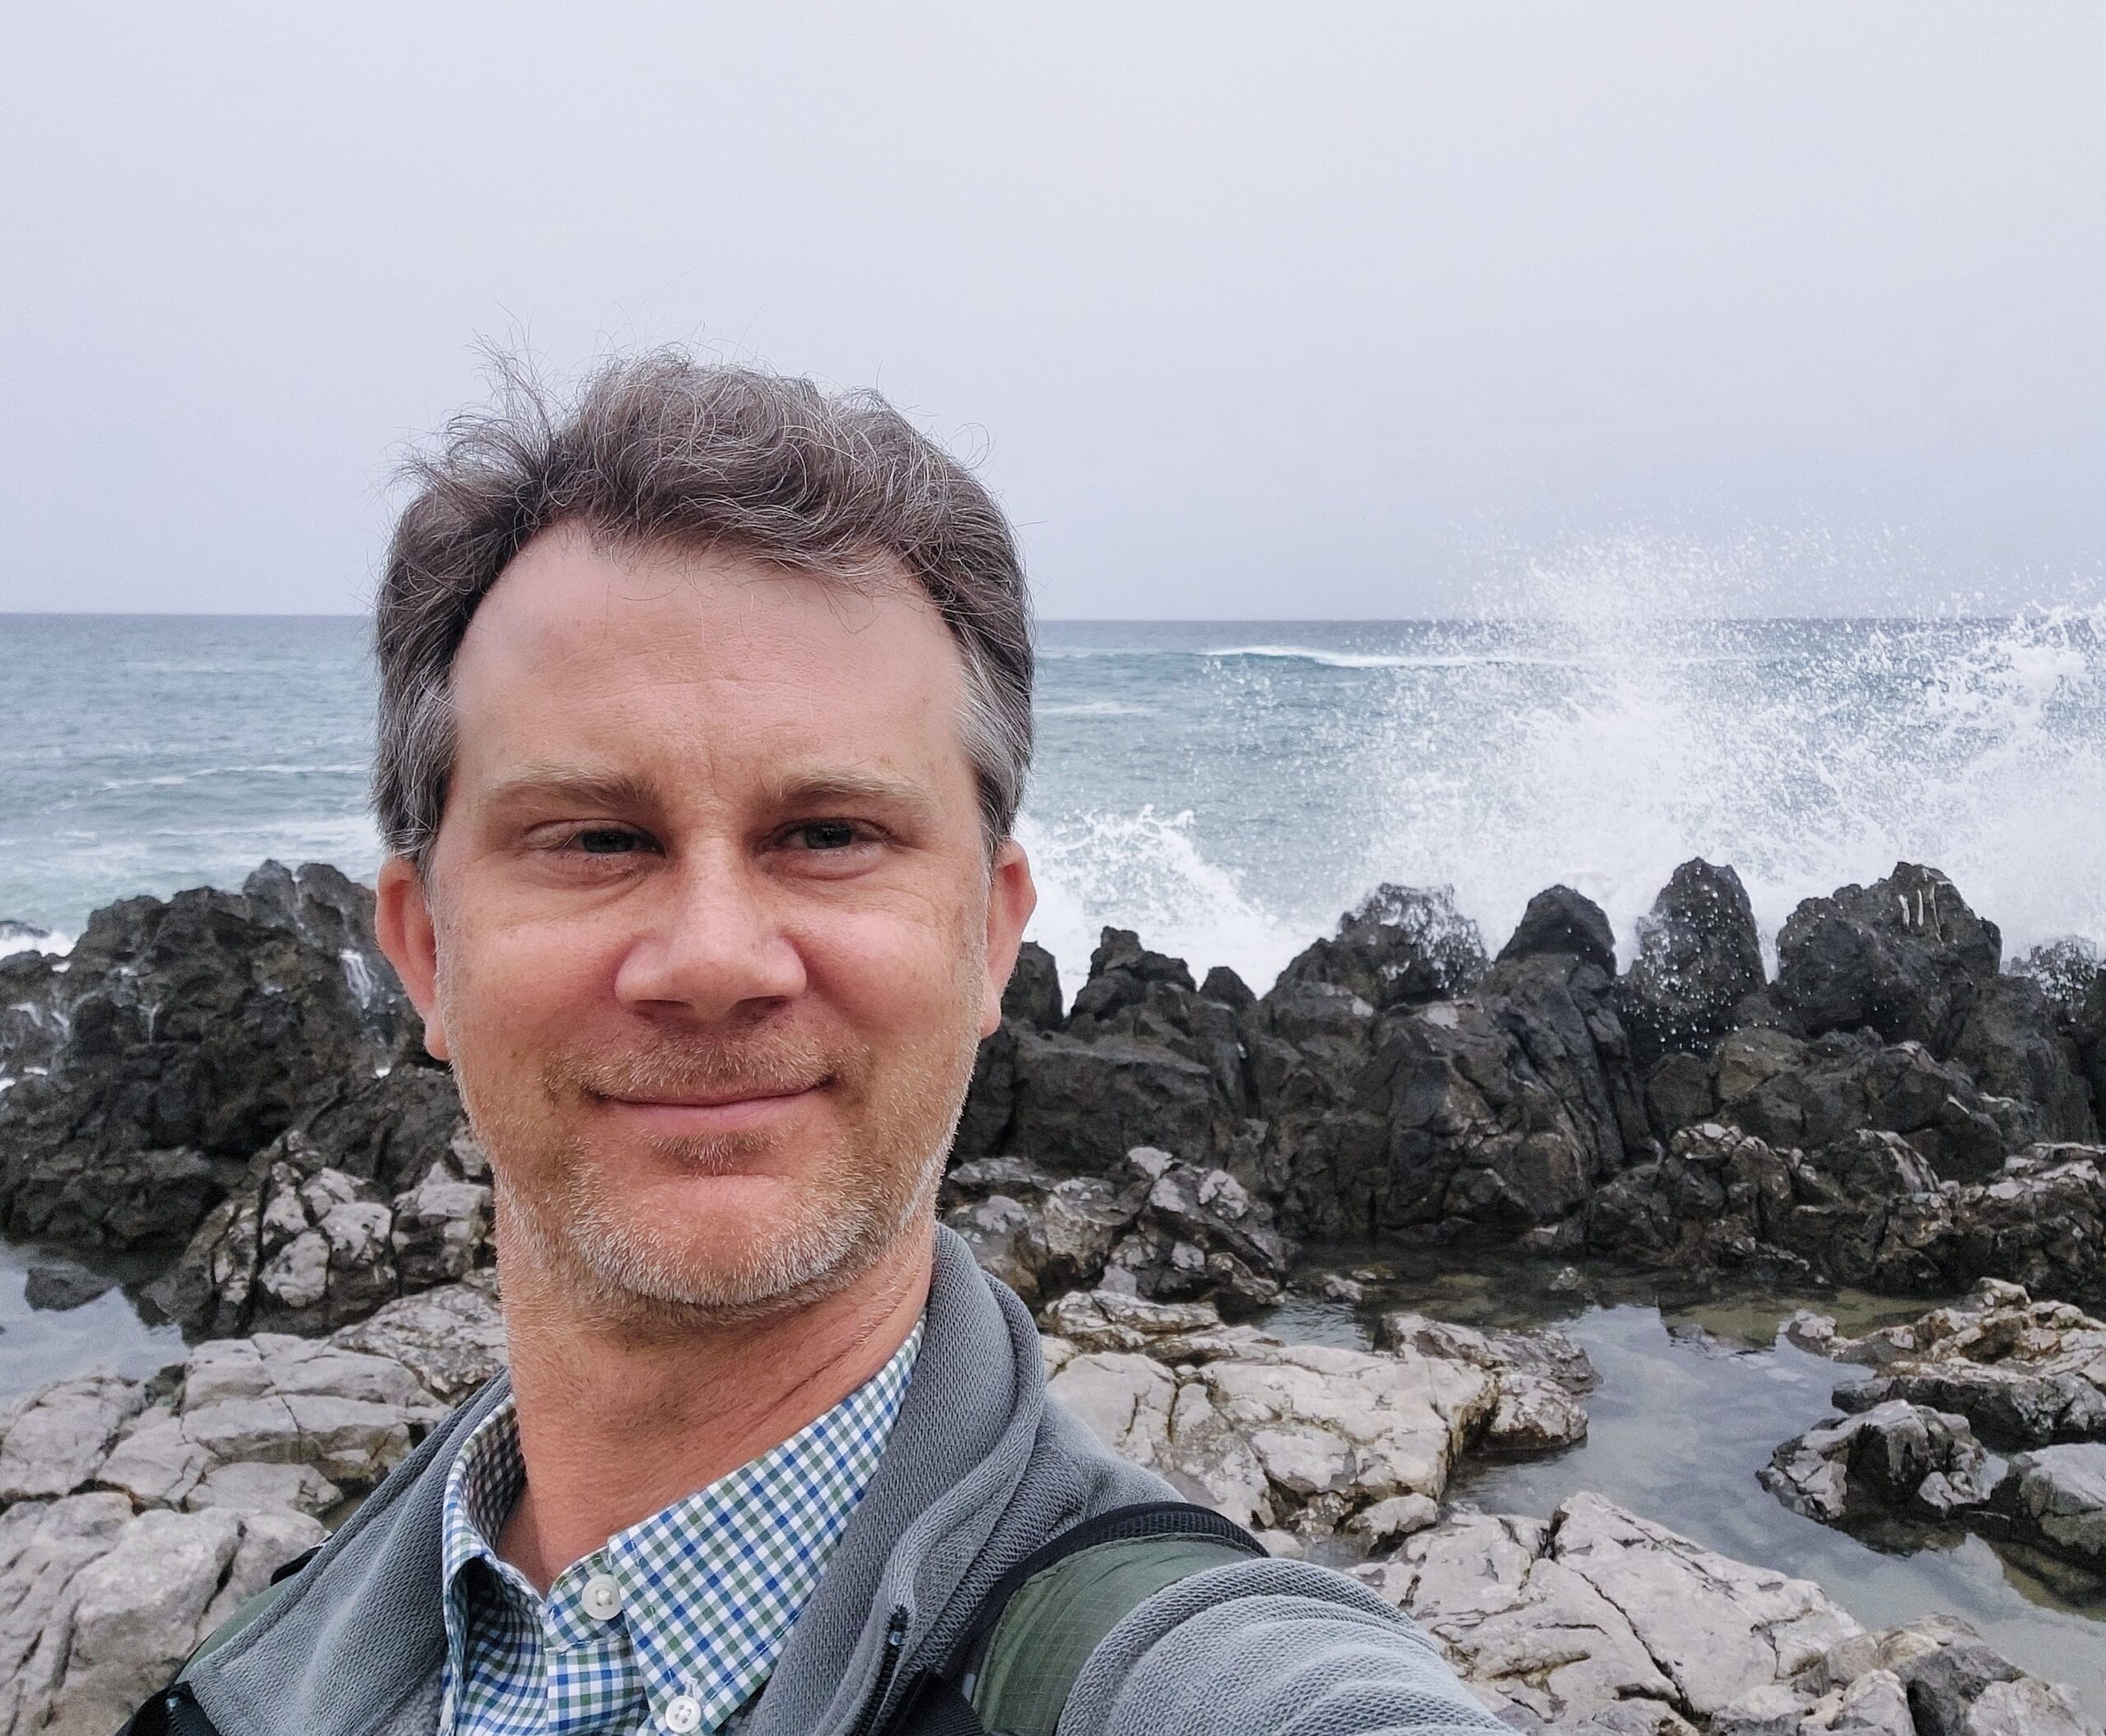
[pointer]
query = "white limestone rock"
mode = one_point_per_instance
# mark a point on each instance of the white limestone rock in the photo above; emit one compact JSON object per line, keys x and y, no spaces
{"x":451,"y":1339}
{"x":57,"y":1437}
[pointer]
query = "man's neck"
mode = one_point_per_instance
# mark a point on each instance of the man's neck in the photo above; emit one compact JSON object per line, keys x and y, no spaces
{"x":619,"y":1419}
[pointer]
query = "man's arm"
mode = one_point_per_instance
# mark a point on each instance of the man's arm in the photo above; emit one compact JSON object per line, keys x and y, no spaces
{"x":1271,"y":1648}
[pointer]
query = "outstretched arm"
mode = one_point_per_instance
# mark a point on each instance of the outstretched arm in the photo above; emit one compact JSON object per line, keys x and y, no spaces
{"x":1270,"y":1648}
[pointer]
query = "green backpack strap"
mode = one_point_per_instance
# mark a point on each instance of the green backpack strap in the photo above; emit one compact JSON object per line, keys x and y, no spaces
{"x":1010,"y":1673}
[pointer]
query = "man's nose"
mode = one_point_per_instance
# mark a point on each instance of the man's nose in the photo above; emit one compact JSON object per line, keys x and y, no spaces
{"x":713,"y":944}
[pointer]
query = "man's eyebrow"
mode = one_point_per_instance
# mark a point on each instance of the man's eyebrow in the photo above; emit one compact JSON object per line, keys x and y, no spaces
{"x":613,"y":792}
{"x":808,"y":790}
{"x":581,"y":786}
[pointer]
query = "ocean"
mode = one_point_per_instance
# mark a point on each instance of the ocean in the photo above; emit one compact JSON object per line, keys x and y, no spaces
{"x":1225,"y":788}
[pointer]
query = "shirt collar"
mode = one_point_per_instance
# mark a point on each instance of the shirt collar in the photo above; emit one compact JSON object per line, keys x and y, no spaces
{"x":713,"y":1583}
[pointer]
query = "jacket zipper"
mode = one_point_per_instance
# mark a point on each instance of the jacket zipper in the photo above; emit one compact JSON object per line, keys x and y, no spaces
{"x":895,"y":1644}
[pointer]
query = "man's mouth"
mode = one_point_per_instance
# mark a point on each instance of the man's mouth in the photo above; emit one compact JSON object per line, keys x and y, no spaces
{"x":723,"y":1110}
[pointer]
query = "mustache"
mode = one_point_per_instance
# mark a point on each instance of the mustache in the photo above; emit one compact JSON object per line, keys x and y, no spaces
{"x":697,"y":1065}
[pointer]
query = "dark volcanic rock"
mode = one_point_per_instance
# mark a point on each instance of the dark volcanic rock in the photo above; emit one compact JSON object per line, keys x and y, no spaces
{"x":1143,"y":1058}
{"x":1904,"y":957}
{"x":2066,"y":969}
{"x":2012,"y":1045}
{"x":2041,"y":1222}
{"x":2088,"y":1026}
{"x":1500,"y":1110}
{"x":1122,"y":971}
{"x":1895,"y":1460}
{"x":1561,"y":920}
{"x":181,"y":1037}
{"x":1679,"y":1093}
{"x":1402,"y":947}
{"x":1078,"y":1108}
{"x":1814,"y":1094}
{"x":30,"y":1026}
{"x":1561,"y":1009}
{"x":1032,"y":996}
{"x":1699,"y":957}
{"x":1159,"y":1228}
{"x":1134,"y":993}
{"x":380,"y":1191}
{"x":1866,"y":1210}
{"x":59,"y":1285}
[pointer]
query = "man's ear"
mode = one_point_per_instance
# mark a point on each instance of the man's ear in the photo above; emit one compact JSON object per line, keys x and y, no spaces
{"x":402,"y":923}
{"x":1011,"y":898}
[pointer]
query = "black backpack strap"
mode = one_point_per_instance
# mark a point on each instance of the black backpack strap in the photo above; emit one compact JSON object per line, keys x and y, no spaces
{"x":1011,"y":1670}
{"x":171,"y":1712}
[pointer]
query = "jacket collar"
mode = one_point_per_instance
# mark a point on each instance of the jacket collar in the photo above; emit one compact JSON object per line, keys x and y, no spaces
{"x":354,"y":1649}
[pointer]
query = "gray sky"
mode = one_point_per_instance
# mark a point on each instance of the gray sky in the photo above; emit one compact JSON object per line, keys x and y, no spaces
{"x":1312,"y":309}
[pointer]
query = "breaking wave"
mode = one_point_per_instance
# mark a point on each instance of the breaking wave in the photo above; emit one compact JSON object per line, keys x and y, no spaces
{"x":1604,"y":729}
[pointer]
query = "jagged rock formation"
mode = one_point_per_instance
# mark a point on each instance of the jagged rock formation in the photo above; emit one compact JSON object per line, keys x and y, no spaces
{"x":177,"y":1040}
{"x":380,"y":1191}
{"x":1160,"y":1228}
{"x":1896,"y":1458}
{"x":2024,"y":1373}
{"x":237,"y":1073}
{"x":1302,"y":1441}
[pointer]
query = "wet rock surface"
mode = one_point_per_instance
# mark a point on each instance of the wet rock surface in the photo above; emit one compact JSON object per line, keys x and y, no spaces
{"x":1894,"y":1458}
{"x":2054,"y":1497}
{"x":1308,"y":1440}
{"x":179,"y":1038}
{"x":1700,"y":956}
{"x":2024,"y":1373}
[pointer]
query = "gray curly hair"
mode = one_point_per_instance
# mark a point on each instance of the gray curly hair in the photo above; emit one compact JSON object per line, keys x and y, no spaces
{"x":661,"y":451}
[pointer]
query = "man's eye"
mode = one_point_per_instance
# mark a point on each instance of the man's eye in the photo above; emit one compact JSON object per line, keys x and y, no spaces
{"x":607,"y":841}
{"x":826,"y":834}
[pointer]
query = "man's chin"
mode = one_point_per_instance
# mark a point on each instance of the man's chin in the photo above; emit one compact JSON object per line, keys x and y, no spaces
{"x":744,"y":1251}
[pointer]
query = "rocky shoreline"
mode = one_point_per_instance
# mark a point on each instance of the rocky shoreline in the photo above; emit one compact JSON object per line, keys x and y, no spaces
{"x":230,"y":1087}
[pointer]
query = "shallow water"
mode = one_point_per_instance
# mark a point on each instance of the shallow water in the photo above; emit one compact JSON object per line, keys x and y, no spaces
{"x":1693,"y":1397}
{"x":37,"y":1345}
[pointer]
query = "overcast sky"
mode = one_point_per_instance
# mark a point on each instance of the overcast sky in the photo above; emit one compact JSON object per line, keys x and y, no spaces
{"x":1297,"y":310}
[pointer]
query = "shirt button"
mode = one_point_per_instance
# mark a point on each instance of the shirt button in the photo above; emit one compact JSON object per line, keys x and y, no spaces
{"x":602,"y":1598}
{"x":682,"y":1715}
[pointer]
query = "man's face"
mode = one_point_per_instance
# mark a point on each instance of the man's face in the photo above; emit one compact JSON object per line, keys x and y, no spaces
{"x":709,"y":932}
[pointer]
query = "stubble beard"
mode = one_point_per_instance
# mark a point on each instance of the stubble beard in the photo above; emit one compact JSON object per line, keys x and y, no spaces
{"x":562,"y":1209}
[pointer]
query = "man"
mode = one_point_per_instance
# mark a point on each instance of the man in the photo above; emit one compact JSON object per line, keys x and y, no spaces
{"x":704,"y":715}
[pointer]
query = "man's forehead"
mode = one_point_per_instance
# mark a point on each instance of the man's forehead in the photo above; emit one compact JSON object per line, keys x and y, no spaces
{"x":588,"y":663}
{"x":569,"y":594}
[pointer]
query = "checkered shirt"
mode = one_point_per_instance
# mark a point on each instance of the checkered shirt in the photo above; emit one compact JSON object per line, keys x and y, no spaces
{"x":710,"y":1586}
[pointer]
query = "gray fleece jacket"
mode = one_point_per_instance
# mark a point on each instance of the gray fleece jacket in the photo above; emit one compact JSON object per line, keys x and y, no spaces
{"x":981,"y":1469}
